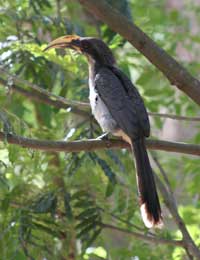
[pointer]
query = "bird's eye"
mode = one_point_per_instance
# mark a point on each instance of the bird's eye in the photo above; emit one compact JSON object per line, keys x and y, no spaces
{"x":85,"y":45}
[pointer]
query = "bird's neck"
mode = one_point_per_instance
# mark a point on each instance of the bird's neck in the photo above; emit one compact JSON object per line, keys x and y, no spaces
{"x":94,"y":66}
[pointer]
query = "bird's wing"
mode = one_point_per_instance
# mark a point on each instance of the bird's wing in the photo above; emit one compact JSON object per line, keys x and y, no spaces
{"x":123,"y":102}
{"x":135,"y":95}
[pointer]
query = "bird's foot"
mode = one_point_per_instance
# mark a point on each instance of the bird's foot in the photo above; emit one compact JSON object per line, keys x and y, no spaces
{"x":104,"y":136}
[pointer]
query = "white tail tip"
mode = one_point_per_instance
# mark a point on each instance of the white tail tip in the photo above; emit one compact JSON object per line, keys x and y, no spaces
{"x":149,"y":223}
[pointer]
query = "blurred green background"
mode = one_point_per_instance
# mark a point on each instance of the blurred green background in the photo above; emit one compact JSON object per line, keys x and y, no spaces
{"x":52,"y":204}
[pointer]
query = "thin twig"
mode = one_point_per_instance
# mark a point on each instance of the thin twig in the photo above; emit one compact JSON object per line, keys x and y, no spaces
{"x":154,"y":240}
{"x":175,"y":117}
{"x":123,"y":220}
{"x":162,"y":171}
{"x":82,"y":108}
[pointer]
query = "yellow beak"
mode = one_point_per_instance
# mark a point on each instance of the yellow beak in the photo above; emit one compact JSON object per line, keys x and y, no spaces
{"x":68,"y":41}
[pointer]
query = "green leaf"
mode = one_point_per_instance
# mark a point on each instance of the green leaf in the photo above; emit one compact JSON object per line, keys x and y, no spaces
{"x":93,"y":237}
{"x":106,"y":168}
{"x":87,"y":221}
{"x":87,"y":213}
{"x":87,"y":229}
{"x":110,"y":189}
{"x":67,"y":203}
{"x":45,"y":204}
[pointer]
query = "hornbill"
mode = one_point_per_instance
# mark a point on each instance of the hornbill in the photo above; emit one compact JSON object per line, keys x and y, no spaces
{"x":119,"y":109}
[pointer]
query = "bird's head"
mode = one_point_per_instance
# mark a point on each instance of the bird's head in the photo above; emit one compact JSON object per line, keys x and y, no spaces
{"x":93,"y":48}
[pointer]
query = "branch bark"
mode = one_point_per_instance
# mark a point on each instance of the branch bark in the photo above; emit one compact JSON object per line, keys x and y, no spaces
{"x":91,"y":145}
{"x":175,"y":73}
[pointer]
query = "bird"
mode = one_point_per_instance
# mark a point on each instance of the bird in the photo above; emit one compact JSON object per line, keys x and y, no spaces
{"x":119,"y":109}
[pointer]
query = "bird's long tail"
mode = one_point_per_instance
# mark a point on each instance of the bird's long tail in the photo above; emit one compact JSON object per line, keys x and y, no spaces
{"x":149,"y":202}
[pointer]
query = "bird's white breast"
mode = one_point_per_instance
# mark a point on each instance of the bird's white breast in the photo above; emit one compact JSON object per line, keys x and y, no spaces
{"x":99,"y":110}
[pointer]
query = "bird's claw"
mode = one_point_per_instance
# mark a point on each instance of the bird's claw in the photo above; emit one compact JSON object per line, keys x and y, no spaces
{"x":104,"y":136}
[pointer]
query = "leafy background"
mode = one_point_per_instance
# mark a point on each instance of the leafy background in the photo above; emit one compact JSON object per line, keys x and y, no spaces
{"x":52,"y":205}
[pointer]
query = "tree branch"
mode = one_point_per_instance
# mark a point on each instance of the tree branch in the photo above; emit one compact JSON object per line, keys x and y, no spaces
{"x":13,"y":79}
{"x":81,"y":108}
{"x":43,"y":98}
{"x":91,"y":145}
{"x":154,"y":240}
{"x":169,"y":201}
{"x":175,"y":73}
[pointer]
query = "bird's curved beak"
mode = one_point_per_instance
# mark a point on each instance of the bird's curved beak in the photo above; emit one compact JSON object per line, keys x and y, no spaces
{"x":68,"y":41}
